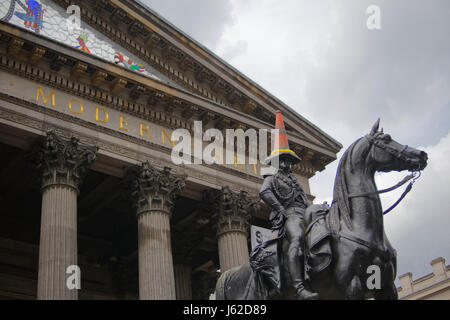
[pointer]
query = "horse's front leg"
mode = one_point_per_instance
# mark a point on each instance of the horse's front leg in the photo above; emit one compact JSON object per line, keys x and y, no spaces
{"x":388,"y":290}
{"x":348,"y":275}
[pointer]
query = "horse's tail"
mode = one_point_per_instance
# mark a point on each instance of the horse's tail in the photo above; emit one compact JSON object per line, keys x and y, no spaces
{"x":220,"y":286}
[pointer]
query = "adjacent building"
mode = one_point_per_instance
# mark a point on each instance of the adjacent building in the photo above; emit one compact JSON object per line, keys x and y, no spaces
{"x":433,"y":286}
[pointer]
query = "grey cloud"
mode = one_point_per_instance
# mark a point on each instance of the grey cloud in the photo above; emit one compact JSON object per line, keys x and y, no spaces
{"x":399,"y":73}
{"x":204,"y":20}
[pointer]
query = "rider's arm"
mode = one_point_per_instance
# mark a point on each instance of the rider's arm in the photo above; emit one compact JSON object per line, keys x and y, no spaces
{"x":268,"y":197}
{"x":305,"y":198}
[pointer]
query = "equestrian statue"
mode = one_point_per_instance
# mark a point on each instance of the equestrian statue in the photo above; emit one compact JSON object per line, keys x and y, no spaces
{"x":324,"y":252}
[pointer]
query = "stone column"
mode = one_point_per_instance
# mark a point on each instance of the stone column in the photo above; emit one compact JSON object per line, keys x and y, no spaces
{"x":183,"y":245}
{"x":63,"y":163}
{"x":232,"y":229}
{"x":183,"y":287}
{"x":155,"y":192}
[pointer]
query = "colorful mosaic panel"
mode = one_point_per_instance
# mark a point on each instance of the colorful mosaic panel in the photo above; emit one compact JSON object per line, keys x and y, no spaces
{"x":50,"y":20}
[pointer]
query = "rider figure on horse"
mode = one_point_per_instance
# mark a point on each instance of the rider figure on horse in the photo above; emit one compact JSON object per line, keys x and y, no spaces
{"x":285,"y":196}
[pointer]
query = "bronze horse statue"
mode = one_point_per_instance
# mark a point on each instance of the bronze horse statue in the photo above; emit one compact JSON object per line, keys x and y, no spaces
{"x":345,"y":239}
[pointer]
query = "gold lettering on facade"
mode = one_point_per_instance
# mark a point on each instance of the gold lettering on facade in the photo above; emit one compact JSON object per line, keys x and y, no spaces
{"x":123,"y":123}
{"x":219,"y":155}
{"x":144,"y":128}
{"x":102,"y":115}
{"x":41,"y":93}
{"x":105,"y":117}
{"x":235,"y":163}
{"x":79,"y":103}
{"x":164,"y":134}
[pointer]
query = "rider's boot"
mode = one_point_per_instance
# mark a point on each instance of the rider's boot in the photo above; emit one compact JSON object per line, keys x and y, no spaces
{"x":304,"y":294}
{"x":296,"y":270}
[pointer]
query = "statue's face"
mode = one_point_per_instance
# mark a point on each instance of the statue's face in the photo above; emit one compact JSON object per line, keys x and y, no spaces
{"x":285,"y":164}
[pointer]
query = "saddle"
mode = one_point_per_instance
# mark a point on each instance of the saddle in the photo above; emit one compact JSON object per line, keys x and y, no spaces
{"x":318,"y":252}
{"x":266,"y":257}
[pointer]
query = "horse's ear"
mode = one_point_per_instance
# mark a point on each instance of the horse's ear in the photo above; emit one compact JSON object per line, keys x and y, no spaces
{"x":375,"y":127}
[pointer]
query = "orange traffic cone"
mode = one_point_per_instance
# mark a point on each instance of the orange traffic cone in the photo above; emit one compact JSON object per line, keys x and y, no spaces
{"x":281,"y":145}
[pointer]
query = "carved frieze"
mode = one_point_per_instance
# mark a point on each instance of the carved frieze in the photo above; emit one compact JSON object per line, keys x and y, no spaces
{"x":120,"y":15}
{"x":136,"y":92}
{"x":191,"y":64}
{"x":36,"y":54}
{"x":174,"y":53}
{"x":98,"y":78}
{"x":222,"y":87}
{"x":79,"y":69}
{"x":189,"y":111}
{"x":207,"y":117}
{"x":156,"y":41}
{"x":118,"y":85}
{"x":205,"y":75}
{"x":57,"y":62}
{"x":14,"y":46}
{"x":137,"y":28}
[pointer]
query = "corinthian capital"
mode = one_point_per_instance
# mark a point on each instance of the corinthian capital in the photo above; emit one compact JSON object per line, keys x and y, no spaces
{"x":234,"y":208}
{"x":156,"y":189}
{"x":64,"y":162}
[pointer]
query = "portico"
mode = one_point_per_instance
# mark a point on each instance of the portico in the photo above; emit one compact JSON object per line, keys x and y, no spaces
{"x":87,"y":175}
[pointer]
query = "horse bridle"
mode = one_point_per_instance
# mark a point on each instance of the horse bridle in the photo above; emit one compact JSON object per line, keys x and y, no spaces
{"x":387,"y":148}
{"x":415,"y":174}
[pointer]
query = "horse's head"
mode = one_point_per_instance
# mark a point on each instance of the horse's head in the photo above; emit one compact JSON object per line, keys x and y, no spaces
{"x":389,"y":155}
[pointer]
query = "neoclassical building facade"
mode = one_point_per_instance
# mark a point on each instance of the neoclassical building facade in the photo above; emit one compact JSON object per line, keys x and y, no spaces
{"x":87,"y":114}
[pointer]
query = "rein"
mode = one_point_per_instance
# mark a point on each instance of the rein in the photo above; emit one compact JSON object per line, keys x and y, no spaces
{"x":408,"y":188}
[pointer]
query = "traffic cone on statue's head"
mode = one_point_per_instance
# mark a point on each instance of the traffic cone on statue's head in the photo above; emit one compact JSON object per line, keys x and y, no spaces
{"x":281,"y":145}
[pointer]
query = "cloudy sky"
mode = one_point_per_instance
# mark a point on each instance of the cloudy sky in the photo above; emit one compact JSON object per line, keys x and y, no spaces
{"x":320,"y":58}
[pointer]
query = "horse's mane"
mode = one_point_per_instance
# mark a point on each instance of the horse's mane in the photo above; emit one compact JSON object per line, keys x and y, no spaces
{"x":340,"y":194}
